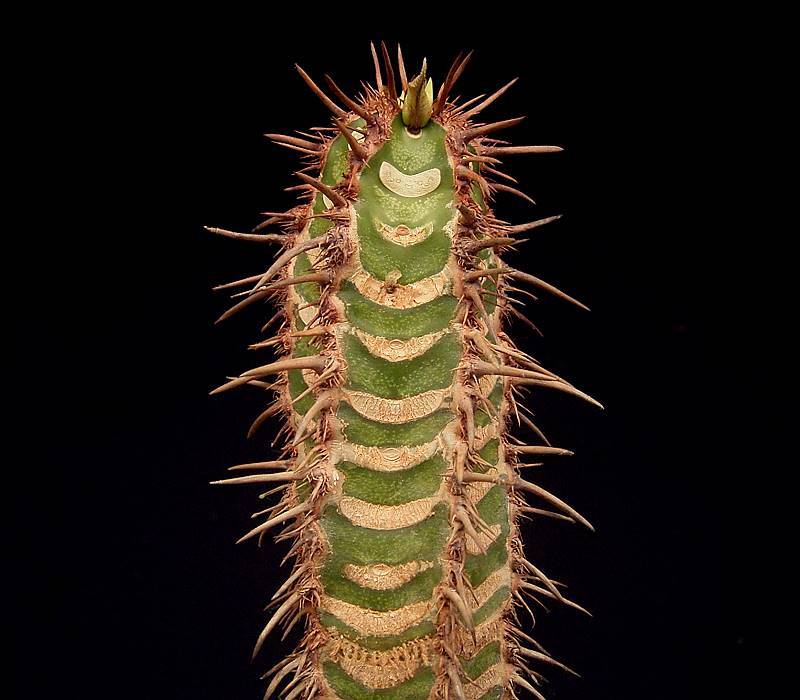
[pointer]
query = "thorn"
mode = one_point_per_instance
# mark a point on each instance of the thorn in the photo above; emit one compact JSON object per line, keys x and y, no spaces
{"x":299,"y":149}
{"x":452,"y":77}
{"x":554,"y":500}
{"x":332,"y":194}
{"x":534,"y":428}
{"x":483,"y":105}
{"x":481,"y":368}
{"x":472,"y":158}
{"x":376,"y":63}
{"x":488,"y":272}
{"x":387,"y":62}
{"x":294,"y":141}
{"x":401,"y":66}
{"x":470,"y":477}
{"x":275,"y":464}
{"x":470,"y":174}
{"x":478,"y":131}
{"x":477,"y":302}
{"x":279,"y":215}
{"x":323,"y":402}
{"x":461,"y":606}
{"x":309,"y":457}
{"x":440,"y":97}
{"x":519,"y":483}
{"x":298,"y":616}
{"x":269,"y":343}
{"x":306,"y":688}
{"x":258,"y":238}
{"x":318,"y":277}
{"x":469,"y":418}
{"x":317,"y":362}
{"x":521,"y":228}
{"x":309,"y":332}
{"x":531,"y":654}
{"x":545,"y":513}
{"x":490,"y":348}
{"x":524,"y":319}
{"x":267,"y":386}
{"x":498,"y":173}
{"x":358,"y":150}
{"x":351,"y":104}
{"x":232,"y":384}
{"x":549,"y":383}
{"x":468,"y":216}
{"x":289,"y":581}
{"x":313,"y":362}
{"x":338,"y":111}
{"x":469,"y":103}
{"x":284,"y":258}
{"x":277,"y":520}
{"x":281,"y":664}
{"x":536,"y":282}
{"x":522,"y":601}
{"x":236,"y":308}
{"x":543,"y":578}
{"x":455,"y":682}
{"x":279,"y":613}
{"x":548,"y":594}
{"x":513,"y":190}
{"x":464,"y":519}
{"x":540,"y":450}
{"x":275,"y":317}
{"x":512,"y":150}
{"x":516,"y":678}
{"x":460,"y":461}
{"x":519,"y":633}
{"x":279,"y":677}
{"x":477,"y":246}
{"x":258,"y":479}
{"x":237,"y":283}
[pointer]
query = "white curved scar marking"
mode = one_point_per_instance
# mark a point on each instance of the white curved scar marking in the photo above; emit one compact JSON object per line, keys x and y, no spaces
{"x":374,"y":516}
{"x":396,"y":350}
{"x":401,"y":296}
{"x":383,"y":459}
{"x":379,"y":669}
{"x":402,"y":235}
{"x":416,"y":185}
{"x":370,"y":623}
{"x":396,"y":410}
{"x":385,"y":577}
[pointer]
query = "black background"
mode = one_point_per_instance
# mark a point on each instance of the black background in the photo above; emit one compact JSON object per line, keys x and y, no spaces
{"x":150,"y":598}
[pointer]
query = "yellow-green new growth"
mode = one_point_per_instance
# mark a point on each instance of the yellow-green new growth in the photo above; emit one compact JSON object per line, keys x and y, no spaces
{"x":417,"y":101}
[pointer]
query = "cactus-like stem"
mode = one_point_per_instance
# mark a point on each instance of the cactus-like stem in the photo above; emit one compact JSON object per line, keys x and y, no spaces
{"x":400,"y":482}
